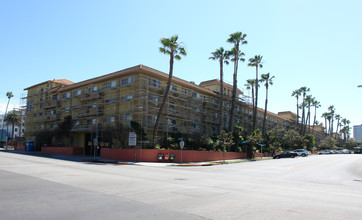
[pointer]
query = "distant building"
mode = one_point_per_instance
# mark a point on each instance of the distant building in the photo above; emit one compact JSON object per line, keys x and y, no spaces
{"x":7,"y":129}
{"x":357,"y":133}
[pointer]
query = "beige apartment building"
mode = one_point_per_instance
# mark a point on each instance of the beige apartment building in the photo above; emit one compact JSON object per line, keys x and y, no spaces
{"x":111,"y":101}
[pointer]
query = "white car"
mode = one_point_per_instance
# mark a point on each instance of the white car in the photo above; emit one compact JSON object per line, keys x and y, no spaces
{"x":302,"y":152}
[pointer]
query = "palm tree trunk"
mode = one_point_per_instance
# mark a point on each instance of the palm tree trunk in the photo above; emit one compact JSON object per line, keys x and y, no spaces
{"x":266,"y":106}
{"x":235,"y":81}
{"x":315,"y":115}
{"x":165,"y":96}
{"x":297,"y":112}
{"x":221,"y":126}
{"x":256,"y":99}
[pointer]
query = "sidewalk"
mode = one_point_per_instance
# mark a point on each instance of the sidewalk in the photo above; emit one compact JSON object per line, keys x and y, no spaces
{"x":91,"y":159}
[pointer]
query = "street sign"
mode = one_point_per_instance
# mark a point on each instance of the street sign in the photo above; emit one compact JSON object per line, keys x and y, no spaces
{"x":132,"y":139}
{"x":182,"y":144}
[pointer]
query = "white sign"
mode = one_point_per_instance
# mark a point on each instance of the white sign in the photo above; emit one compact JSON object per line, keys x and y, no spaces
{"x":132,"y":139}
{"x":182,"y":144}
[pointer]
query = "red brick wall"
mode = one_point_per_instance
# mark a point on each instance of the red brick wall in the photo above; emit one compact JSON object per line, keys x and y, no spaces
{"x":63,"y":150}
{"x":151,"y":155}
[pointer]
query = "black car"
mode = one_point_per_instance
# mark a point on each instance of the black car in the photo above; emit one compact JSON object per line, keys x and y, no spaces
{"x":286,"y":154}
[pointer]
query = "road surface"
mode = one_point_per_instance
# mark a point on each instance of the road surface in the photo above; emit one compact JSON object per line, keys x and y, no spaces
{"x":314,"y":187}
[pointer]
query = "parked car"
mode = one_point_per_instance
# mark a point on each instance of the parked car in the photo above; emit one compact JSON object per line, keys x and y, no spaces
{"x":302,"y":152}
{"x":326,"y":152}
{"x":285,"y":155}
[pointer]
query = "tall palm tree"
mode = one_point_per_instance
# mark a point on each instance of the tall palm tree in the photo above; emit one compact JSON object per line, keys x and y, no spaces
{"x":250,"y":85}
{"x":304,"y":91}
{"x":256,"y":61}
{"x":325,"y":115}
{"x":332,"y":110}
{"x":12,"y":118}
{"x":316,"y":105}
{"x":296,"y":93}
{"x":171,"y":47}
{"x":309,"y":101}
{"x":9,"y":95}
{"x":338,"y":118}
{"x":223,"y":57}
{"x":268,"y":81}
{"x":236,"y":39}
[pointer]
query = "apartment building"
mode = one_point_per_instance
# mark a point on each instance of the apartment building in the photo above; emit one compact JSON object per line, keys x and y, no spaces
{"x":111,"y":101}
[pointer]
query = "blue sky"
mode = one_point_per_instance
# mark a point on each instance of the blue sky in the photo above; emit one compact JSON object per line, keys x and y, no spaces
{"x":303,"y":43}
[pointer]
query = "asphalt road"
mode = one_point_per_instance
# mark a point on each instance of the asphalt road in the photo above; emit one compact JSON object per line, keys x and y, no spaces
{"x":315,"y":187}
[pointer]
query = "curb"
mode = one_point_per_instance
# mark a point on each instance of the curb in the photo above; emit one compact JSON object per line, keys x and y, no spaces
{"x":102,"y":161}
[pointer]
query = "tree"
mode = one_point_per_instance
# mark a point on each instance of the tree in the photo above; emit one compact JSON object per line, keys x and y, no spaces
{"x":254,"y":140}
{"x":223,"y":57}
{"x":14,"y":119}
{"x":309,"y":101}
{"x":236,"y":39}
{"x":171,"y":47}
{"x":256,"y":62}
{"x":9,"y":95}
{"x":325,"y":115}
{"x":296,"y":93}
{"x":338,"y":118}
{"x":316,"y":105}
{"x":304,"y":91}
{"x":332,"y":110}
{"x":250,"y":85}
{"x":268,"y":81}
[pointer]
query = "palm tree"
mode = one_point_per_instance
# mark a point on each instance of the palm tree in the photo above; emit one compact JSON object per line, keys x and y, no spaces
{"x":236,"y":39}
{"x":325,"y":115}
{"x":250,"y":85}
{"x":222,"y":56}
{"x":304,"y":91}
{"x":9,"y":95}
{"x":12,"y":118}
{"x":171,"y":47}
{"x":338,"y":118}
{"x":296,"y":93}
{"x":331,"y":112}
{"x":309,"y":101}
{"x":257,"y":62}
{"x":316,"y":105}
{"x":268,"y":81}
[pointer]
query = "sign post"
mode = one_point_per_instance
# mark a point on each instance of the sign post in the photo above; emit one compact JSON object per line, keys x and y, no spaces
{"x":182,"y":144}
{"x":132,"y":141}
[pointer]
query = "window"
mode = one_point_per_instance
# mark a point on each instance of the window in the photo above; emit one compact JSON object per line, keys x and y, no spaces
{"x":127,"y":117}
{"x":55,"y":97}
{"x":154,"y":83}
{"x":77,"y":92}
{"x":196,"y":95}
{"x":30,"y":106}
{"x":154,"y":99}
{"x":172,"y":105}
{"x":66,"y":95}
{"x":93,"y":89}
{"x":127,"y":80}
{"x":174,"y":88}
{"x":53,"y":112}
{"x":77,"y":123}
{"x":128,"y":97}
{"x":110,"y":119}
{"x":110,"y":100}
{"x":91,"y":121}
{"x":186,"y":91}
{"x":111,"y":84}
{"x":66,"y":109}
{"x":171,"y":122}
{"x":216,"y":101}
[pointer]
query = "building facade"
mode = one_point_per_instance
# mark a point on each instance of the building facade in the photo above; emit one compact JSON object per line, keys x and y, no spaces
{"x":357,"y":133}
{"x":107,"y":104}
